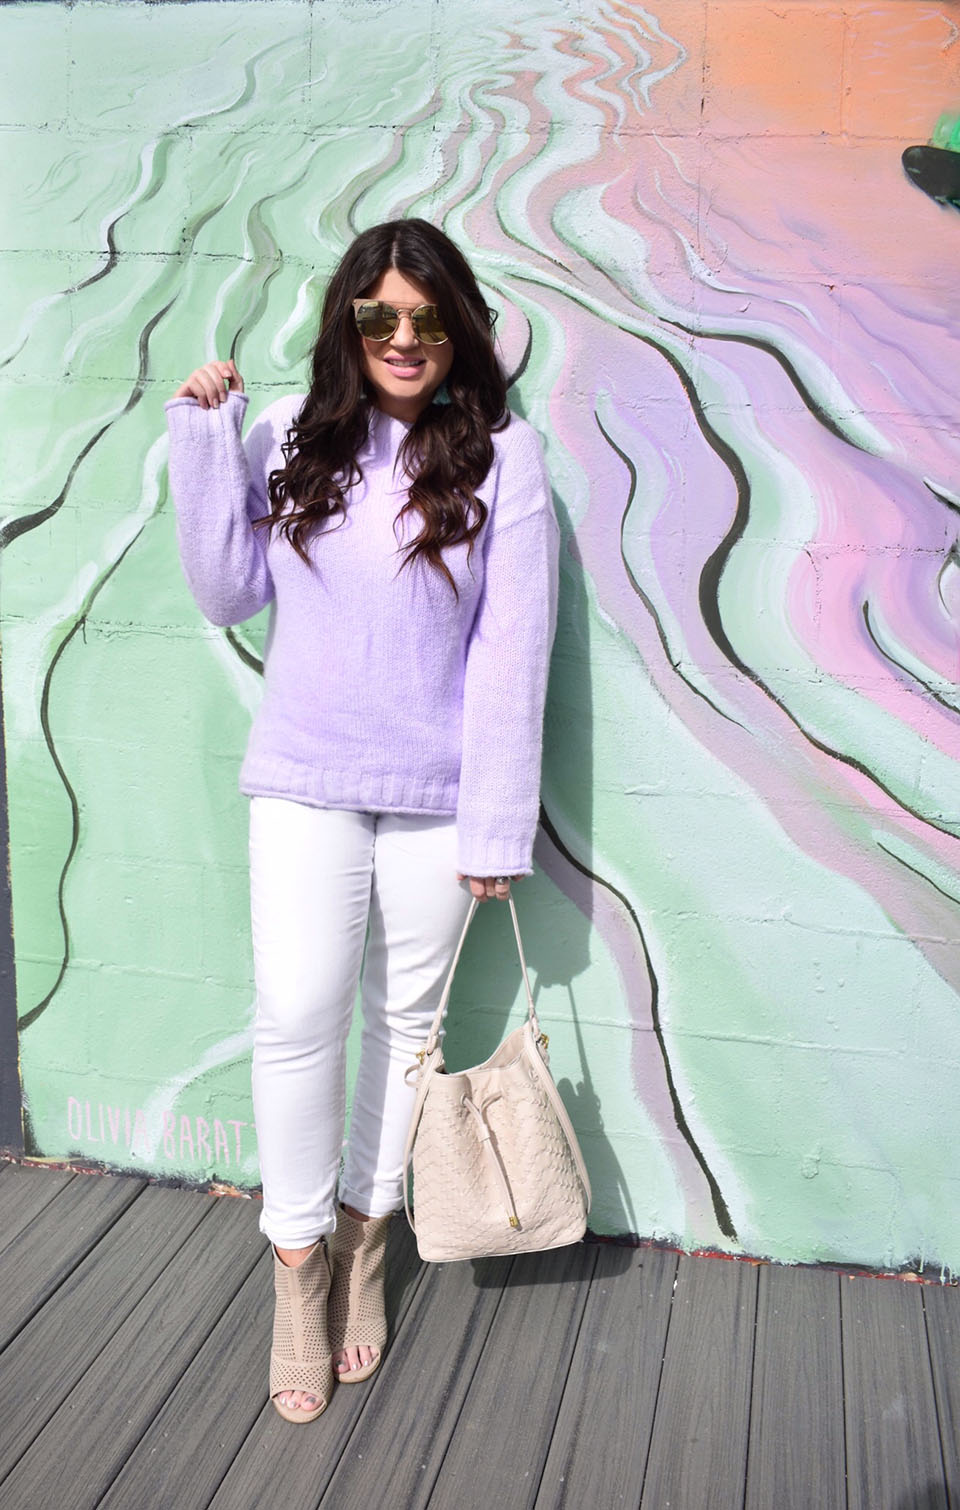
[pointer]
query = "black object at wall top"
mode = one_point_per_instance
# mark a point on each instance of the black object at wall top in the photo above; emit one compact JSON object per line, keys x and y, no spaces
{"x":935,"y":170}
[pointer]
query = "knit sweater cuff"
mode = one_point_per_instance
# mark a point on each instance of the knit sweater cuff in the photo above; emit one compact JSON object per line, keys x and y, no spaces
{"x":482,"y":854}
{"x":217,"y":495}
{"x":235,"y":404}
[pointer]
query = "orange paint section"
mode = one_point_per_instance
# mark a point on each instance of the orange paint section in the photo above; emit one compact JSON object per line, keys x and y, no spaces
{"x":799,"y":67}
{"x":902,"y":69}
{"x":786,"y":121}
{"x":773,"y":68}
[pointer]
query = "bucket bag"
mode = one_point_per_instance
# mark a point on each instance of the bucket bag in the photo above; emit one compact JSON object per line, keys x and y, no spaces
{"x":497,"y":1168}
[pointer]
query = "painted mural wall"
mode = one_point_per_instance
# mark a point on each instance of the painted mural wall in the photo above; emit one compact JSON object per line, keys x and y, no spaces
{"x":732,"y":316}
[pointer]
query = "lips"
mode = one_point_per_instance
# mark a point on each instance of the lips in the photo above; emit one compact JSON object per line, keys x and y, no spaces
{"x":405,"y":367}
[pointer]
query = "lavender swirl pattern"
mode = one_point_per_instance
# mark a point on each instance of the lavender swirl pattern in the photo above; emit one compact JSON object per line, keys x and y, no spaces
{"x":744,"y":925}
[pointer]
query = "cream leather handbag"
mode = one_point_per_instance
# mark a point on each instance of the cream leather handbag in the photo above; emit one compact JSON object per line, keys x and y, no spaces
{"x":496,"y":1164}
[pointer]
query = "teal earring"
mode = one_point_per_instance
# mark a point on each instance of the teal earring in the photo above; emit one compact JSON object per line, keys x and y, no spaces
{"x":442,"y":395}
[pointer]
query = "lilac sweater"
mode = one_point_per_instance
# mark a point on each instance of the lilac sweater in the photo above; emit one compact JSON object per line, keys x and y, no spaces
{"x":383,"y":692}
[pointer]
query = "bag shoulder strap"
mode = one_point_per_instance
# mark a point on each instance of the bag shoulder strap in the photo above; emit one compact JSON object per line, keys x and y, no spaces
{"x":433,"y":1037}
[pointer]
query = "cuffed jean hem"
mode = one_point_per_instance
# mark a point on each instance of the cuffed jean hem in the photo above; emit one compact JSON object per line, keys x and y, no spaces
{"x":292,"y":1238}
{"x":377,"y":1204}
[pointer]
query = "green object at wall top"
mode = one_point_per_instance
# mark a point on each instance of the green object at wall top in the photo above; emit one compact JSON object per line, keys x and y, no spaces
{"x":946,"y":133}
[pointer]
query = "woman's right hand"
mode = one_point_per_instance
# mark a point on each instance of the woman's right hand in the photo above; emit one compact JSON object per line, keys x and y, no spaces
{"x":211,"y":383}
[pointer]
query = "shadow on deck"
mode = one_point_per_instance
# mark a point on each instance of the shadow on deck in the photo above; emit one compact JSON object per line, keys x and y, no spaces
{"x":134,"y":1333}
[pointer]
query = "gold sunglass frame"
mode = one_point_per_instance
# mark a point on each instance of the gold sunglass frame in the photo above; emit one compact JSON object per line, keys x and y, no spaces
{"x":410,"y":310}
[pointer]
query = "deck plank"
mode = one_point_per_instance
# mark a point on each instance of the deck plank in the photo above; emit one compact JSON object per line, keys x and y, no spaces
{"x":189,"y":1445}
{"x":80,"y":1318}
{"x":297,"y":1462}
{"x":59,"y":1237}
{"x":893,"y":1445}
{"x":24,"y":1194}
{"x":86,"y":1442}
{"x":941,"y":1305}
{"x":402,"y":1438}
{"x":135,"y":1372}
{"x":518,"y":1384}
{"x":797,"y":1455}
{"x":698,"y":1450}
{"x":599,"y":1448}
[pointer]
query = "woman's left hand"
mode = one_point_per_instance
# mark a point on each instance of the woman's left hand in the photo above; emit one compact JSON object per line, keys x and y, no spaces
{"x":489,"y":886}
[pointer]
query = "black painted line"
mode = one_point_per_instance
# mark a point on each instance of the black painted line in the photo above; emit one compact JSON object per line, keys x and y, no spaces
{"x":30,"y":1017}
{"x":712,"y":572}
{"x":759,"y":343}
{"x":30,"y":523}
{"x":524,"y":362}
{"x":713,"y":568}
{"x":917,"y":680}
{"x":720,"y":1209}
{"x":14,"y":528}
{"x":243,"y":653}
{"x":951,"y":503}
{"x":644,"y":598}
{"x":952,"y":558}
{"x":914,"y":870}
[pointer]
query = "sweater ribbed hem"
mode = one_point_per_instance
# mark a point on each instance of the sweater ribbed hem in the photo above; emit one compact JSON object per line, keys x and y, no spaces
{"x":380,"y":791}
{"x":493,"y":858}
{"x":479,"y":855}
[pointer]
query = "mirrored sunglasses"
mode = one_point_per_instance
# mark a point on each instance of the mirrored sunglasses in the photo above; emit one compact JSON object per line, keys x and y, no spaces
{"x":378,"y":321}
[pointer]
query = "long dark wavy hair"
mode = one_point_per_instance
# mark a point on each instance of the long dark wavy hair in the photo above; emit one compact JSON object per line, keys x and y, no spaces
{"x":447,"y":452}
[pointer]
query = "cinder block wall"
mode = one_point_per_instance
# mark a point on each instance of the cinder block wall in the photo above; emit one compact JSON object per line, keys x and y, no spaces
{"x":733,"y":316}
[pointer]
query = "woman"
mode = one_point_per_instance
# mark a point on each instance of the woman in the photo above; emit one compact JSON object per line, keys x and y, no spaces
{"x":398,"y":521}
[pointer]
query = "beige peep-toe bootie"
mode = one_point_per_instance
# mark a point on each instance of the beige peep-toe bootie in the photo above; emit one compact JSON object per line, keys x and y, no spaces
{"x":300,"y":1355}
{"x":355,"y":1312}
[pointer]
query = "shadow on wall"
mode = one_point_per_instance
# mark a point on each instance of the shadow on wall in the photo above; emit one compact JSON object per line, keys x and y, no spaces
{"x":556,"y":937}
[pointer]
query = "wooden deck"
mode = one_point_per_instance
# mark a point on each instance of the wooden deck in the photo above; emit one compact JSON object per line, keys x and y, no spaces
{"x":134,"y":1331}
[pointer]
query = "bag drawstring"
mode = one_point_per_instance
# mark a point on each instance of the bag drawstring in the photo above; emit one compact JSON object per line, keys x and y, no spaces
{"x":493,"y":1158}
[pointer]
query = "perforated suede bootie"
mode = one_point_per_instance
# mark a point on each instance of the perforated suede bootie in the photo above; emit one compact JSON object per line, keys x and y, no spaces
{"x":355,"y":1312}
{"x":300,"y":1356}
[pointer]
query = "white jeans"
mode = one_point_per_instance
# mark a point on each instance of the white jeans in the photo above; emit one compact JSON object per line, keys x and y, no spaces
{"x":323,"y":881}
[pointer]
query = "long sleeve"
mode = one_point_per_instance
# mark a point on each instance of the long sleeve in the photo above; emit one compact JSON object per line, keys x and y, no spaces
{"x":219,"y":487}
{"x":507,"y":662}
